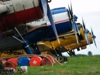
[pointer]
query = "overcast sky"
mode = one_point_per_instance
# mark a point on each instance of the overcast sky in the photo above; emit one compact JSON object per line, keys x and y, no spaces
{"x":89,"y":10}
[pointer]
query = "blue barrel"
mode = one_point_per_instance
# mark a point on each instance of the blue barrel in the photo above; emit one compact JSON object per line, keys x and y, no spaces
{"x":23,"y":61}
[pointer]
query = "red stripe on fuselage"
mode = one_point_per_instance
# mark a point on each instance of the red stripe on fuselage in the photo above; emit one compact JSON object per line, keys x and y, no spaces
{"x":11,"y":20}
{"x":62,"y":21}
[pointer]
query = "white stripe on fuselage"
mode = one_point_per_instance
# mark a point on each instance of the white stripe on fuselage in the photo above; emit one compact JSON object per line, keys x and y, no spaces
{"x":39,"y":22}
{"x":58,"y":18}
{"x":20,"y":5}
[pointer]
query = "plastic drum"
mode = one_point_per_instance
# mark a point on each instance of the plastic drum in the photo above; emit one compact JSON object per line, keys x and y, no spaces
{"x":23,"y":61}
{"x":35,"y":61}
{"x":13,"y":60}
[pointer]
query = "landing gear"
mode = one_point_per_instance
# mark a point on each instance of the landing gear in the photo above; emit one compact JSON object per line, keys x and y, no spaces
{"x":27,"y":48}
{"x":36,"y":49}
{"x":62,"y":59}
{"x":78,"y":49}
{"x":71,"y":53}
{"x":59,"y":55}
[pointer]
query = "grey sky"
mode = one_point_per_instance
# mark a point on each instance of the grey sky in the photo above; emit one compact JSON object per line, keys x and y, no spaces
{"x":88,"y":10}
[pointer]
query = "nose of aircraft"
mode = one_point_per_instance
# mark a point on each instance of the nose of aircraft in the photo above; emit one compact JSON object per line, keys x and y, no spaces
{"x":90,"y":38}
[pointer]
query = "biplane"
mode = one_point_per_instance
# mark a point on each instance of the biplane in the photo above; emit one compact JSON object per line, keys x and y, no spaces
{"x":18,"y":33}
{"x":14,"y":13}
{"x":68,"y":42}
{"x":63,"y":25}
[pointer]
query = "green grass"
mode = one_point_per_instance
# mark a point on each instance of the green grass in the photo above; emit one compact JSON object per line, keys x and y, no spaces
{"x":75,"y":66}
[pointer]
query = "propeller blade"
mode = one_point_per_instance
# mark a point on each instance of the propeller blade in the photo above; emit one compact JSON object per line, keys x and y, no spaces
{"x":78,"y":29}
{"x":92,"y":32}
{"x":71,"y":10}
{"x":95,"y":43}
{"x":87,"y":38}
{"x":85,"y":32}
{"x":44,"y":6}
{"x":69,"y":13}
{"x":71,"y":16}
{"x":93,"y":37}
{"x":74,"y":27}
{"x":47,"y":12}
{"x":75,"y":31}
{"x":83,"y":24}
{"x":72,"y":19}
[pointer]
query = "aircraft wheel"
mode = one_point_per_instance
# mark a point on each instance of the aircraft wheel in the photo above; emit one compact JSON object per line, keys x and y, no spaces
{"x":62,"y":59}
{"x":65,"y":59}
{"x":73,"y":53}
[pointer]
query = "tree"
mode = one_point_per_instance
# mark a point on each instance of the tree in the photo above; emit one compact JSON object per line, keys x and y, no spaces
{"x":89,"y":53}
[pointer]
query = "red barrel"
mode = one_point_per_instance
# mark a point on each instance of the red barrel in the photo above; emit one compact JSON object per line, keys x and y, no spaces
{"x":13,"y":60}
{"x":35,"y":61}
{"x":51,"y":58}
{"x":10,"y":65}
{"x":47,"y":61}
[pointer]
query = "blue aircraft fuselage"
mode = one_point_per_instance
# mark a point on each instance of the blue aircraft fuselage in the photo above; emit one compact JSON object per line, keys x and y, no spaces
{"x":47,"y":32}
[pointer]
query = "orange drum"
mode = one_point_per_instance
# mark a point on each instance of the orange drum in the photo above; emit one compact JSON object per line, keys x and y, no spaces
{"x":51,"y":58}
{"x":10,"y":65}
{"x":35,"y":61}
{"x":13,"y":60}
{"x":47,"y":61}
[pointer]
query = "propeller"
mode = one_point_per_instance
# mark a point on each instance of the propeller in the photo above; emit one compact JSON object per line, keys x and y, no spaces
{"x":85,"y":32}
{"x":69,"y":14}
{"x":47,"y":12}
{"x":72,"y":20}
{"x":93,"y":37}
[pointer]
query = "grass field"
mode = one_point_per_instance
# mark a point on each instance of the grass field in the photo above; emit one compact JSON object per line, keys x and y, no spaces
{"x":78,"y":65}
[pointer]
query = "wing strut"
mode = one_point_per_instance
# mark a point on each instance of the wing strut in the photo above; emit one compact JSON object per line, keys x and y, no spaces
{"x":25,"y":43}
{"x":47,"y":12}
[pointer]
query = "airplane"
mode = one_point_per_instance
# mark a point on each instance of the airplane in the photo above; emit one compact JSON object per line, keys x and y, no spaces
{"x":82,"y":45}
{"x":68,"y":38}
{"x":14,"y":13}
{"x":68,"y":42}
{"x":65,"y":39}
{"x":39,"y":33}
{"x":17,"y":12}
